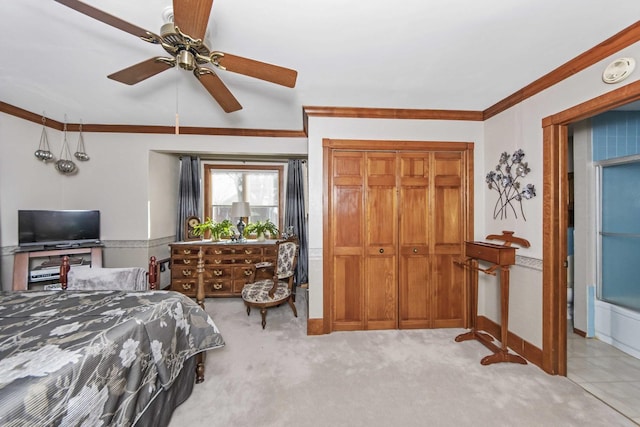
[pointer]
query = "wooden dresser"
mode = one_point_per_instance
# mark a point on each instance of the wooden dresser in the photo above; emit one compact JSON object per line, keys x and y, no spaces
{"x":227,"y":266}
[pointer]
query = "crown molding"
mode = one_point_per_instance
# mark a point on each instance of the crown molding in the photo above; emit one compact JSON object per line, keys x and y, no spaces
{"x":610,"y":46}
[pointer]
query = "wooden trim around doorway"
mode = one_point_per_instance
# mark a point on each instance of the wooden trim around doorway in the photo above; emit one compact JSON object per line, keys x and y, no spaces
{"x":555,"y":217}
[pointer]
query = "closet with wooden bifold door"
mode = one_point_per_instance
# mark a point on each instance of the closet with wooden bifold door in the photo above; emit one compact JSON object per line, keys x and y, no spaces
{"x":398,"y":214}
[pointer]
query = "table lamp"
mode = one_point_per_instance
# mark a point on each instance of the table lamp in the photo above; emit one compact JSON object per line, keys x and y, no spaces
{"x":240,"y":210}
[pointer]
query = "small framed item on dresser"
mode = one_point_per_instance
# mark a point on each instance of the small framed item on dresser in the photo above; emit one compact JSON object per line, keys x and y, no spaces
{"x":190,"y":228}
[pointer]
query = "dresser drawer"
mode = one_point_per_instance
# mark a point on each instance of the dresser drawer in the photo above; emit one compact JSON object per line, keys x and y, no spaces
{"x":243,"y":272}
{"x":184,"y":272}
{"x":232,"y":250}
{"x":179,"y":261}
{"x":219,"y":272}
{"x":177,"y":251}
{"x":217,"y":286}
{"x":187,"y":287}
{"x":212,"y":287}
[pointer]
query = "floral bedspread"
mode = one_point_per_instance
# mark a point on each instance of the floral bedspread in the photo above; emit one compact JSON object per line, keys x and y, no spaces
{"x":93,"y":358}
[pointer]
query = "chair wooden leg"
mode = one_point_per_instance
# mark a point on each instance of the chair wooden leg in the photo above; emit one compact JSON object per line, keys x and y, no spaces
{"x":263,"y":312}
{"x":293,"y":307}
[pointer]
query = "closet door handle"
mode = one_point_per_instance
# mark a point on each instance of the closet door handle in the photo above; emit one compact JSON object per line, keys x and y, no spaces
{"x":381,"y":250}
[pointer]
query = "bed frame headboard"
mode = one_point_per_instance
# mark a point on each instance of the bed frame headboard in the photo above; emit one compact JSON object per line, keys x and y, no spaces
{"x":152,"y":272}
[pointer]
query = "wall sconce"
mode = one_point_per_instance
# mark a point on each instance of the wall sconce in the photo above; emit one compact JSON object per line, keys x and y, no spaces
{"x":240,"y":210}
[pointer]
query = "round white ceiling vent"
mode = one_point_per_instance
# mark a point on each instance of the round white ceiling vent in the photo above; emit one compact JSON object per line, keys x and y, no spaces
{"x":618,"y":70}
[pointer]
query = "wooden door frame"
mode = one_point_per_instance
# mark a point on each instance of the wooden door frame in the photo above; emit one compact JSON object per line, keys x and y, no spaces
{"x":554,"y":212}
{"x":328,"y":145}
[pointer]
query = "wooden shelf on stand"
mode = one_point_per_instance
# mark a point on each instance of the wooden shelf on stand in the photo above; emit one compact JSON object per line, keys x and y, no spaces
{"x":21,"y":261}
{"x":501,"y":256}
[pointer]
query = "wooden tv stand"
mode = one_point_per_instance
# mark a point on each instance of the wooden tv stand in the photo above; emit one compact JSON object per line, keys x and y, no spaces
{"x":21,"y":264}
{"x":502,"y":256}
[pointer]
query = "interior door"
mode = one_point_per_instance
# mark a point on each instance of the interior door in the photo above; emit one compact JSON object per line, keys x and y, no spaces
{"x":381,"y":230}
{"x":415,"y":291}
{"x":347,"y":225}
{"x":447,"y":237}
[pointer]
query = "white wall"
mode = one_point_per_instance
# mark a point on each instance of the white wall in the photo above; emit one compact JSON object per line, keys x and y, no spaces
{"x":521,"y":127}
{"x":128,"y":179}
{"x":376,"y":129}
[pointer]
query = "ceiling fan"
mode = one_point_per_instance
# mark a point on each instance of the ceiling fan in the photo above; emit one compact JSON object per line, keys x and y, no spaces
{"x":182,"y":39}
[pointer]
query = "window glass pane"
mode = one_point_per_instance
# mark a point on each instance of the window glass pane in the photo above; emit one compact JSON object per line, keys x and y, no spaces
{"x":257,"y":186}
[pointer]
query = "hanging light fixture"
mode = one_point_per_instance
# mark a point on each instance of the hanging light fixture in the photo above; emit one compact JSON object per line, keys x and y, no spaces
{"x":44,"y":152}
{"x":65,"y":165}
{"x":81,"y":153}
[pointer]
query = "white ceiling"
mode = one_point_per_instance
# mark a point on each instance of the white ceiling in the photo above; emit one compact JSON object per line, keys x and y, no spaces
{"x":424,"y":54}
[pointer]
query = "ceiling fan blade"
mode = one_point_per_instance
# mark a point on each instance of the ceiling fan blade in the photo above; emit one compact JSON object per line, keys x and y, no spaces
{"x":217,"y":89}
{"x":106,"y":18}
{"x":142,"y":71}
{"x":192,"y":16}
{"x":259,"y":70}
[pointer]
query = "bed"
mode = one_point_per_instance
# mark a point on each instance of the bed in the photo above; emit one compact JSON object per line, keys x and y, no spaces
{"x":92,"y":358}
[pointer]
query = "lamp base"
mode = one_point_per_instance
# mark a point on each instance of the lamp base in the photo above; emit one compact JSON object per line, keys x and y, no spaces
{"x":240,"y":226}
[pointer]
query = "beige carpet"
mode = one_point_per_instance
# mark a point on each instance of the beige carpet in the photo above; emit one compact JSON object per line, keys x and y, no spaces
{"x":282,"y":377}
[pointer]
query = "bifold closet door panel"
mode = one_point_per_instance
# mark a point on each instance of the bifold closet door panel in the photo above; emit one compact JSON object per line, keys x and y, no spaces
{"x":347,"y":234}
{"x":381,"y":230}
{"x":448,"y":240}
{"x":414,"y":267}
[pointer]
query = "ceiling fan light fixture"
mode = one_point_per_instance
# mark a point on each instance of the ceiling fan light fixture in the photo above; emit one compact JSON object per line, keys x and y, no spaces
{"x":167,"y":29}
{"x":186,"y":60}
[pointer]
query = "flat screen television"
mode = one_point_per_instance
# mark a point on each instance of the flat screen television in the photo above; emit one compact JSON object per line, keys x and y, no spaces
{"x":58,"y":228}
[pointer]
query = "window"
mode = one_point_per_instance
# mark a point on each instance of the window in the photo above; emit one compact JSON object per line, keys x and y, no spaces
{"x":261,"y":186}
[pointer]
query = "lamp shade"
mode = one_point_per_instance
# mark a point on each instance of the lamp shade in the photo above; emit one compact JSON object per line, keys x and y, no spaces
{"x":240,"y":209}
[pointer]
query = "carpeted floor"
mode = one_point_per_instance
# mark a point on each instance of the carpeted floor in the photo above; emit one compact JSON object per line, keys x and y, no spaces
{"x":282,"y":377}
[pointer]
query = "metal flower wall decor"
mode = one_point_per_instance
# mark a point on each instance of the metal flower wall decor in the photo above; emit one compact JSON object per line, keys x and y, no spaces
{"x":505,"y":180}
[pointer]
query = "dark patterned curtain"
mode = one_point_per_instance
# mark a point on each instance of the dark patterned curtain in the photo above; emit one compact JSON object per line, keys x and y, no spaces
{"x":188,"y":193}
{"x":296,"y":216}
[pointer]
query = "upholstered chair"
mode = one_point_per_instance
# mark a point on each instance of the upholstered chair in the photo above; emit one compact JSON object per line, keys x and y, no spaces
{"x":277,"y":289}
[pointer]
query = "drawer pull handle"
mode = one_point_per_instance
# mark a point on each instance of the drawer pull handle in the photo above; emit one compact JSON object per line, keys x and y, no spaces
{"x":217,"y":286}
{"x":186,"y":273}
{"x":186,"y":251}
{"x":248,"y":261}
{"x":248,"y":251}
{"x":381,"y":250}
{"x":186,"y":261}
{"x":217,"y":251}
{"x":233,"y":251}
{"x":217,"y":261}
{"x":186,"y":286}
{"x":248,"y":272}
{"x":218,"y":272}
{"x":415,"y":250}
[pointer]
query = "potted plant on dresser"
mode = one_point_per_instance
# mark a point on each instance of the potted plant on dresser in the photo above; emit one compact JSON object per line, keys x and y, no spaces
{"x":213,"y":229}
{"x":261,"y":228}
